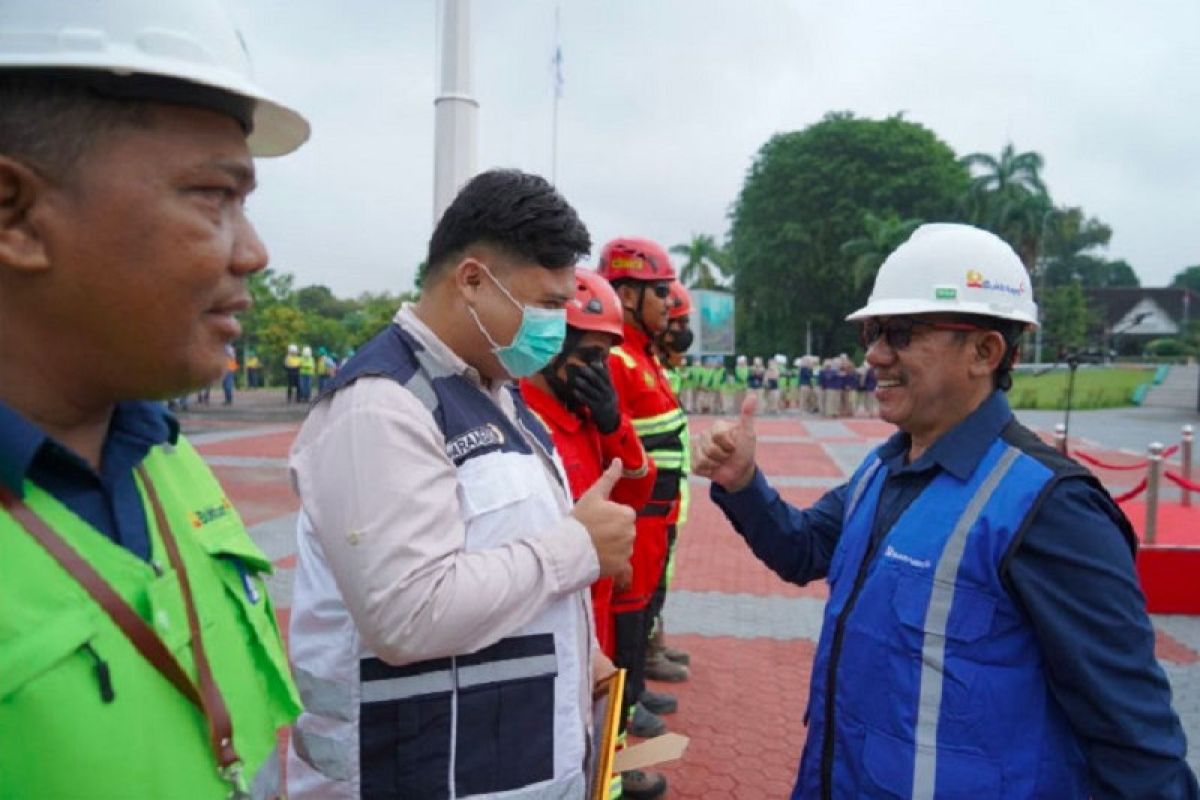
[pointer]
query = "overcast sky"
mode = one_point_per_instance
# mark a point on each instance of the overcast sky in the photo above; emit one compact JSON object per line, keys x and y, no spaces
{"x":666,"y":103}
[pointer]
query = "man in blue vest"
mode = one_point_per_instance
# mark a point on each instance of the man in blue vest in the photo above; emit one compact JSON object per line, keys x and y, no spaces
{"x":985,"y":634}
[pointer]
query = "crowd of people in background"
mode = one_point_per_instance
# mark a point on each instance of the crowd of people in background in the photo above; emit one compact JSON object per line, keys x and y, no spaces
{"x":833,"y":387}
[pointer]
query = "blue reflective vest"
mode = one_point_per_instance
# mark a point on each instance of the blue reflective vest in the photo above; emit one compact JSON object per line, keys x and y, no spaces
{"x":937,"y":684}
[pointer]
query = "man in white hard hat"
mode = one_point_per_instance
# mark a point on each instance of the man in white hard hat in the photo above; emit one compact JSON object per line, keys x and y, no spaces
{"x":139,"y":653}
{"x":985,"y":634}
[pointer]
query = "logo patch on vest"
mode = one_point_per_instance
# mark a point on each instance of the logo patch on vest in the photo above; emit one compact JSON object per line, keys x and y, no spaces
{"x":479,"y":438}
{"x":896,"y":555}
{"x":204,"y":516}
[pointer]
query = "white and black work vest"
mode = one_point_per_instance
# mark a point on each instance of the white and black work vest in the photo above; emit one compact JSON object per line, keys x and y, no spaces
{"x":503,"y":722}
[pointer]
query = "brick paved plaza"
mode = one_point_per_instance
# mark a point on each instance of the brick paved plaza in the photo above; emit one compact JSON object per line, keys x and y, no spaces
{"x":751,"y":635}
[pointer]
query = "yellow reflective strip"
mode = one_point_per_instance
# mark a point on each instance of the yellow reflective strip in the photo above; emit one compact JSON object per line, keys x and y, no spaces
{"x":675,"y":415}
{"x":620,"y":353}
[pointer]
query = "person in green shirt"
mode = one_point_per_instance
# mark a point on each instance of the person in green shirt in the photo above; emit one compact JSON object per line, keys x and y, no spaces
{"x":140,"y":655}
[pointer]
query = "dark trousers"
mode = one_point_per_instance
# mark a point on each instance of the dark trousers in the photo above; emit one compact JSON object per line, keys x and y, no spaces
{"x":632,"y":642}
{"x":659,"y":598}
{"x":293,"y":383}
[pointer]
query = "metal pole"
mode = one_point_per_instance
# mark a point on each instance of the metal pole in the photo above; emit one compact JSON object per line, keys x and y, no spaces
{"x":455,"y":110}
{"x":1073,"y":363}
{"x":557,"y":95}
{"x":1060,"y":438}
{"x":1185,"y":455}
{"x":1152,"y":483}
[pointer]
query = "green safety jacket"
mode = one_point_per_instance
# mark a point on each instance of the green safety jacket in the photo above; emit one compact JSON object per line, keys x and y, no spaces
{"x":675,"y":379}
{"x":60,"y":737}
{"x":308,"y":365}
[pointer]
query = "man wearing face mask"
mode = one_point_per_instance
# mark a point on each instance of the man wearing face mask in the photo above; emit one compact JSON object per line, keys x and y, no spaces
{"x":574,"y":397}
{"x":441,"y":632}
{"x":641,"y":272}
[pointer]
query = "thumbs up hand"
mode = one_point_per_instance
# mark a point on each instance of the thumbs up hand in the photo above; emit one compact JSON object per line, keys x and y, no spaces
{"x":725,"y":453}
{"x":609,"y":524}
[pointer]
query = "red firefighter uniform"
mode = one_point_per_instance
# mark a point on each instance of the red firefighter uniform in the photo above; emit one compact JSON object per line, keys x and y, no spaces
{"x":647,"y":399}
{"x":585,"y":454}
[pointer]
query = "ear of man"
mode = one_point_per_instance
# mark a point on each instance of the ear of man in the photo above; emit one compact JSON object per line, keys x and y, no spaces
{"x":989,"y":352}
{"x":22,"y":192}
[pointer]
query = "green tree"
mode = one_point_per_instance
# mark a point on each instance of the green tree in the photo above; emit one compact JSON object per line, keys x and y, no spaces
{"x":881,"y":235}
{"x":1188,"y":278}
{"x":320,"y":300}
{"x":1006,"y":195}
{"x":1066,"y":317}
{"x":805,"y":195}
{"x":703,"y":261}
{"x":1090,"y":272}
{"x":279,"y":326}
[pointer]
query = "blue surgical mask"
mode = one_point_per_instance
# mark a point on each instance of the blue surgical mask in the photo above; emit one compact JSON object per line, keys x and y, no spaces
{"x":537,"y":341}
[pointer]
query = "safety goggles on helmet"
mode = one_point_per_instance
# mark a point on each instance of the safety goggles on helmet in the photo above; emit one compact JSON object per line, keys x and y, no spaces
{"x":898,"y":332}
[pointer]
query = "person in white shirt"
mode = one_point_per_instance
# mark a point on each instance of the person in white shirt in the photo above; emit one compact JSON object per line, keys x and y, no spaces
{"x":441,"y":628}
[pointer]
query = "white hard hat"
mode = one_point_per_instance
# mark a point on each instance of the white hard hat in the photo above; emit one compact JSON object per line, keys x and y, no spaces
{"x":192,"y":41}
{"x":307,"y":351}
{"x":949,"y":267}
{"x":293,"y":348}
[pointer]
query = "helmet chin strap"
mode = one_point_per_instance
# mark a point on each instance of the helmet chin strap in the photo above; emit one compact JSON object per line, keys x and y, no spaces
{"x":637,"y":312}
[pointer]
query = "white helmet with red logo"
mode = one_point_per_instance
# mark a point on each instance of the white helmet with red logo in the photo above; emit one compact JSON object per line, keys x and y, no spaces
{"x":187,"y":52}
{"x":950,"y":267}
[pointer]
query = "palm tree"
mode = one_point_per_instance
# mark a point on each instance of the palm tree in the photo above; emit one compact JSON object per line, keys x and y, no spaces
{"x":1007,"y":196}
{"x":881,"y":235}
{"x":1010,"y":170}
{"x":703,"y":261}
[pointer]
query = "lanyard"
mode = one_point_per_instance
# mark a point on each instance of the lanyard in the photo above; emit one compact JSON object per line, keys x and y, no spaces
{"x":206,"y":696}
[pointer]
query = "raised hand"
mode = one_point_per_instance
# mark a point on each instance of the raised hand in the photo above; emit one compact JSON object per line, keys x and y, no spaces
{"x":609,"y":524}
{"x":725,"y":453}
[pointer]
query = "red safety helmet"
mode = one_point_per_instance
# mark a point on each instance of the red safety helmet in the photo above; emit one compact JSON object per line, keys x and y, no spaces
{"x":595,"y":306}
{"x":630,"y":258}
{"x":680,"y":300}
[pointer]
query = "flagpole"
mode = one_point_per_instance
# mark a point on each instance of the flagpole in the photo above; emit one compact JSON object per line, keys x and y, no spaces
{"x":456,"y":111}
{"x":557,"y":95}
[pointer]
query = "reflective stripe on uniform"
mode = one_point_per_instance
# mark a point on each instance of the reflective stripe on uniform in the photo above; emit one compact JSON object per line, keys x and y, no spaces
{"x":511,"y":670}
{"x":861,"y":487}
{"x":389,"y":689}
{"x":322,"y":696}
{"x":659,"y":423}
{"x":328,"y":756}
{"x":937,"y":615}
{"x":620,"y":353}
{"x":667,"y":459}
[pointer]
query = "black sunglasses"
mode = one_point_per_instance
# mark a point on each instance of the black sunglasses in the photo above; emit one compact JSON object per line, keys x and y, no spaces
{"x":898,"y":333}
{"x":661,"y":290}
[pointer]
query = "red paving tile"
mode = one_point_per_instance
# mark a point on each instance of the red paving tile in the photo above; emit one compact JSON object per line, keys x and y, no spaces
{"x":1168,"y":648}
{"x":712,"y":557}
{"x":259,"y":494}
{"x":870,"y":428}
{"x":743,"y":710}
{"x":807,"y":459}
{"x":270,"y":445}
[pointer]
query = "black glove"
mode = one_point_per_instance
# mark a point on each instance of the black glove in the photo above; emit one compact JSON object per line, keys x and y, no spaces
{"x":593,"y":389}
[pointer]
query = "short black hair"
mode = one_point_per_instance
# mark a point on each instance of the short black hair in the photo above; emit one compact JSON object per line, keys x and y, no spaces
{"x":514,"y":211}
{"x":48,"y":121}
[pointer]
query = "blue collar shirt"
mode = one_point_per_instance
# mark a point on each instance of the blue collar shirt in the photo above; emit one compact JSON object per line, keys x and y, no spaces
{"x":107,"y":500}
